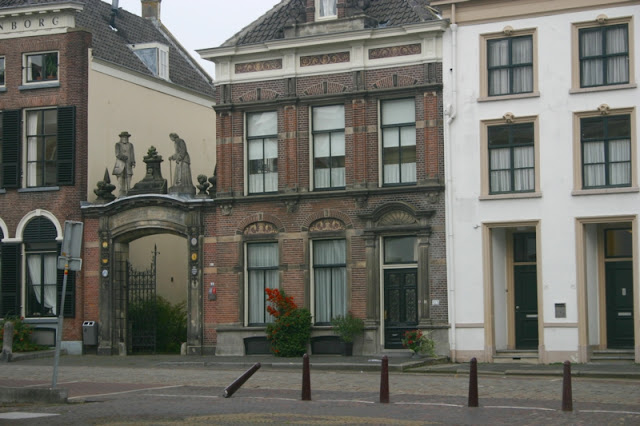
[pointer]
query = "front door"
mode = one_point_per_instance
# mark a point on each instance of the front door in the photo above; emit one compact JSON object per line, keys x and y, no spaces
{"x":526,"y":304}
{"x":400,"y":305}
{"x":619,"y":294}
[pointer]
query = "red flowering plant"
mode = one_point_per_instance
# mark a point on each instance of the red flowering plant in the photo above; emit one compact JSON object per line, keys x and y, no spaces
{"x":289,"y":334}
{"x":418,"y":342}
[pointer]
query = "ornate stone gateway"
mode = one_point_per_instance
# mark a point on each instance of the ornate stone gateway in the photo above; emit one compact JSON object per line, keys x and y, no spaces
{"x":142,"y":308}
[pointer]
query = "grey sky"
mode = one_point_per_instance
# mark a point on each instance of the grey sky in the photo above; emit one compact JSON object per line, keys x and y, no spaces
{"x":201,"y":24}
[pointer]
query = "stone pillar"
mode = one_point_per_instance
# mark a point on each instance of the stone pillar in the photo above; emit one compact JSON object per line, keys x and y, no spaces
{"x":7,"y":342}
{"x":290,"y":169}
{"x":373,"y":279}
{"x":424,"y":299}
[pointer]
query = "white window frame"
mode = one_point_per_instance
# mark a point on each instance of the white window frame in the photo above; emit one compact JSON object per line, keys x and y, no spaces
{"x":312,"y":150}
{"x":381,"y":174}
{"x":325,"y":17}
{"x":248,"y":138}
{"x":25,"y":67}
{"x":161,"y":58}
{"x":313,"y":276}
{"x":246,"y":280}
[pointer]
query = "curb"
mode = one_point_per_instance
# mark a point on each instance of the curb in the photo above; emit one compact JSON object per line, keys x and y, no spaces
{"x":33,"y":395}
{"x":23,"y":356}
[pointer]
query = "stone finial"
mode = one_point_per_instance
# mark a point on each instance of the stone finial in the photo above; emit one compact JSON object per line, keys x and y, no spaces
{"x":105,"y":188}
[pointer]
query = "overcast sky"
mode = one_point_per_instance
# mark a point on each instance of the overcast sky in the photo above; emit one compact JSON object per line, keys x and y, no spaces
{"x":202,"y":24}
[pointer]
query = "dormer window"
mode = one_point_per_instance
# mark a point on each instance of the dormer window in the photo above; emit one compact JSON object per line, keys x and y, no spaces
{"x":155,"y":56}
{"x":326,"y":9}
{"x":41,"y":67}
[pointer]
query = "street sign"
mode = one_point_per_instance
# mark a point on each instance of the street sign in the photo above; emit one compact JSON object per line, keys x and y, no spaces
{"x":74,"y":263}
{"x":72,"y":243}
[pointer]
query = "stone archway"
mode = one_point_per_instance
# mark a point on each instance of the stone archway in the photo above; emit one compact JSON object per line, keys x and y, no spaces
{"x":124,"y":221}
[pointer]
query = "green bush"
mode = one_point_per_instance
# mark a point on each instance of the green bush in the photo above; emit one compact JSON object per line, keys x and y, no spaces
{"x":171,"y":322}
{"x":347,"y":327}
{"x":291,"y":331}
{"x":21,"y":336}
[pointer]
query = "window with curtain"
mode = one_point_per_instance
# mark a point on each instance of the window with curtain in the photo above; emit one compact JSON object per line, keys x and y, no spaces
{"x":42,"y":67}
{"x":606,"y":151}
{"x":511,"y":158}
{"x":604,"y":55}
{"x":510,"y":65}
{"x":262,"y":141}
{"x":398,"y":141}
{"x":42,"y":282}
{"x":328,"y":147}
{"x":330,"y":280}
{"x":262,"y":269}
{"x":327,"y":8}
{"x":42,"y":144}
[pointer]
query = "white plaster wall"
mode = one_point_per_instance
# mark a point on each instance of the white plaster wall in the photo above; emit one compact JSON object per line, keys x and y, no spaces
{"x":557,"y":208}
{"x":469,"y":339}
{"x":149,"y":116}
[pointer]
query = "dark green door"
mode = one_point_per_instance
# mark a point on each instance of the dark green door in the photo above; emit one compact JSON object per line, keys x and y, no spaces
{"x":400,"y":305}
{"x":526,"y":304}
{"x":619,"y":293}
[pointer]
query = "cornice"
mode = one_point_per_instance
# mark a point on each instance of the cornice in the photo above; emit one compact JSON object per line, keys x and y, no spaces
{"x":15,"y":11}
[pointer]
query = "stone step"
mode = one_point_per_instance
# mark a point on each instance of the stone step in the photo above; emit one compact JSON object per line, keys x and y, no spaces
{"x":529,"y":357}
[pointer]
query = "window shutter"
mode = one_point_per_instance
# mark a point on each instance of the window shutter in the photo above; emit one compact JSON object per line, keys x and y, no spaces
{"x":66,"y":145}
{"x":70,"y":295}
{"x":10,"y":284}
{"x":11,"y":148}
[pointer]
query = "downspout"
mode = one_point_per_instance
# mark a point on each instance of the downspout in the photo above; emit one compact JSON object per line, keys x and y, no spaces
{"x":450,"y":252}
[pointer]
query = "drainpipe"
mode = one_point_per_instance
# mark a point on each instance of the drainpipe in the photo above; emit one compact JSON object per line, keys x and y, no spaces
{"x":450,"y":252}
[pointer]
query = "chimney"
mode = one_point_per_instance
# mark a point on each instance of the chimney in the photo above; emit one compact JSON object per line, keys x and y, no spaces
{"x":151,"y":9}
{"x":114,"y":13}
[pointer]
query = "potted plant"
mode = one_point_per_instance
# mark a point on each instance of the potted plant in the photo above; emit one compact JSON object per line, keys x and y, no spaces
{"x":51,"y":66}
{"x":418,"y":343}
{"x":347,"y":327}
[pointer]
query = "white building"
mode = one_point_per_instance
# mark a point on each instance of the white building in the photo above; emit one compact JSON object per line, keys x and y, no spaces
{"x":541,"y":104}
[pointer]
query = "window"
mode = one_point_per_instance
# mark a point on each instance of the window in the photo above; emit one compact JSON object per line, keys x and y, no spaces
{"x":510,"y":65}
{"x":606,"y":151}
{"x":400,"y":250}
{"x":398,"y":142}
{"x":1,"y":131}
{"x":41,"y":280}
{"x":262,"y":141}
{"x":155,"y":57}
{"x":328,"y":147}
{"x":42,"y":141}
{"x":604,"y":55}
{"x":41,"y":67}
{"x":262,"y":271}
{"x":1,"y":71}
{"x":330,"y":280}
{"x":326,"y":8}
{"x":511,"y":158}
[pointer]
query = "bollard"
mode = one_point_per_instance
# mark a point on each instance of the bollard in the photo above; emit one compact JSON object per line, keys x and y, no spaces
{"x":384,"y":381}
{"x":306,"y":379}
{"x":567,"y":398}
{"x":7,"y":342}
{"x":473,"y":383}
{"x":233,"y":387}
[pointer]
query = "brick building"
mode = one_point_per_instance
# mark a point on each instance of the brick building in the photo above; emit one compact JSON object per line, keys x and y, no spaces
{"x":73,"y":75}
{"x":330,"y":174}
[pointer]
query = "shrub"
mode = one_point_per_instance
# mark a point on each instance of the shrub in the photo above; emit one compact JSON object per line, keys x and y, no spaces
{"x":291,"y":331}
{"x":21,"y":335}
{"x":347,"y":327}
{"x":418,"y":342}
{"x":170,"y":323}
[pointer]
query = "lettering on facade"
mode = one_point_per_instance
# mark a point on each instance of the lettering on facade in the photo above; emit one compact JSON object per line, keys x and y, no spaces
{"x":27,"y":24}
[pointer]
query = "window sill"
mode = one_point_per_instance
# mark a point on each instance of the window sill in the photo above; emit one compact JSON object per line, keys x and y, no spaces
{"x":40,"y":189}
{"x":3,"y":191}
{"x":602,"y":88}
{"x":45,"y":85}
{"x":507,"y":97}
{"x":3,"y":89}
{"x":513,"y":196}
{"x":601,"y":191}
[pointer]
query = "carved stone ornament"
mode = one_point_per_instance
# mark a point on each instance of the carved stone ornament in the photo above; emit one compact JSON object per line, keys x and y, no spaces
{"x":604,"y":109}
{"x":509,"y":117}
{"x":226,"y":209}
{"x":329,"y":224}
{"x":274,"y":64}
{"x":508,"y":30}
{"x":261,"y":228}
{"x":292,"y":205}
{"x":393,"y":51}
{"x":397,"y":217}
{"x":433,"y":197}
{"x":361,"y":201}
{"x":326,"y":59}
{"x":602,"y":19}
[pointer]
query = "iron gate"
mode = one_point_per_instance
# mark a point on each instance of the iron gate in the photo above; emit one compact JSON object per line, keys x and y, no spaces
{"x":141,"y":308}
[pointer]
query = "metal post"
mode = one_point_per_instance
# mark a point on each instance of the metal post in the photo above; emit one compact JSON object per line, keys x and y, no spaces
{"x":56,"y":357}
{"x":384,"y":381}
{"x":567,"y":399}
{"x":473,"y":383}
{"x":306,"y":379}
{"x":233,"y":387}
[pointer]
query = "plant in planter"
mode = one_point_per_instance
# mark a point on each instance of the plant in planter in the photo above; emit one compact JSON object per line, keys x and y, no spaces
{"x":51,"y":66}
{"x":347,"y":327}
{"x":418,"y":342}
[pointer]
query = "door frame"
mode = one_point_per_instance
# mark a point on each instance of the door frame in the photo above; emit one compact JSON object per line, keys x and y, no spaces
{"x":584,"y":349}
{"x":384,"y":285}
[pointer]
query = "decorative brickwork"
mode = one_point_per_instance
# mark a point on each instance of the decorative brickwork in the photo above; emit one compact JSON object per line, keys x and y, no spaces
{"x":392,"y":51}
{"x":275,"y":64}
{"x":326,"y":59}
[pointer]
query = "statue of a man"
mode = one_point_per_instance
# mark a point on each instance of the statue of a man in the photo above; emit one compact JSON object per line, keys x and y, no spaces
{"x":125,"y":162}
{"x":183,"y":162}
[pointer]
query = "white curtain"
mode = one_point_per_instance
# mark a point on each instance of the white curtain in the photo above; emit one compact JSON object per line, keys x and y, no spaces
{"x":408,"y":159}
{"x":618,"y":66}
{"x":265,"y":152}
{"x":322,"y":152}
{"x":327,"y":7}
{"x":522,"y":53}
{"x":498,"y":55}
{"x":330,"y":281}
{"x":592,"y":73}
{"x":271,"y":162}
{"x":261,"y":256}
{"x":523,"y":163}
{"x":500,"y":165}
{"x":32,"y":148}
{"x":620,"y":162}
{"x":594,"y":167}
{"x":34,"y":265}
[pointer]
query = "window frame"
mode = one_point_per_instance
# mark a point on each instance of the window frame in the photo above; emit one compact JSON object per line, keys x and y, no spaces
{"x":248,"y":140}
{"x":3,"y":70}
{"x":330,"y":132}
{"x":319,"y":17}
{"x":511,"y":147}
{"x":399,"y":126}
{"x":161,"y":58}
{"x":40,"y":139}
{"x":44,"y":79}
{"x":507,"y":33}
{"x":28,"y":297}
{"x":248,"y":269}
{"x":579,"y":188}
{"x":576,"y":80}
{"x":314,"y":283}
{"x":485,"y":182}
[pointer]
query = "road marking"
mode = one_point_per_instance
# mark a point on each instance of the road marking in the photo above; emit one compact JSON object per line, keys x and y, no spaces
{"x":18,"y":415}
{"x":123,"y":392}
{"x":278,"y":399}
{"x":182,"y":396}
{"x":346,"y":400}
{"x":612,"y":412}
{"x":518,"y":408}
{"x":441,"y":404}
